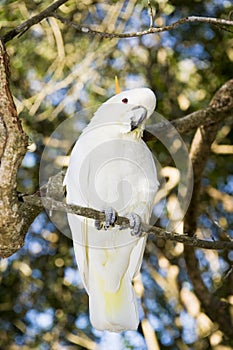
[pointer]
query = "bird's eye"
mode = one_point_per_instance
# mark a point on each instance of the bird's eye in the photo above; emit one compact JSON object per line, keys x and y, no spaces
{"x":125,"y":100}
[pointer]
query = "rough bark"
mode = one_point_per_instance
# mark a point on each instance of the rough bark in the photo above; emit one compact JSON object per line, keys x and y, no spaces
{"x":215,"y":308}
{"x":13,"y":147}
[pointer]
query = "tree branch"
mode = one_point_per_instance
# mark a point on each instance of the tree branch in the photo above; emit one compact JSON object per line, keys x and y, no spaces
{"x":53,"y":205}
{"x":13,"y":147}
{"x":220,"y":108}
{"x":217,"y":310}
{"x":50,"y":11}
{"x":220,"y":23}
{"x":23,"y":27}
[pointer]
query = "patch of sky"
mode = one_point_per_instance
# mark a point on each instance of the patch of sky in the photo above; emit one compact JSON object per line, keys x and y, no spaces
{"x":38,"y":224}
{"x":151,"y":304}
{"x":117,"y":63}
{"x":166,"y":338}
{"x":19,"y":340}
{"x":127,"y":46}
{"x":27,"y":183}
{"x":230,"y":232}
{"x":36,"y":273}
{"x":45,"y":346}
{"x":155,"y":322}
{"x":189,"y":327}
{"x":205,"y":221}
{"x":29,"y":160}
{"x":56,"y":97}
{"x":217,"y":5}
{"x":196,"y":51}
{"x":70,"y":105}
{"x":150,"y":41}
{"x":153,"y":258}
{"x":165,"y":317}
{"x":82,"y":321}
{"x":124,"y":5}
{"x":230,"y":255}
{"x":40,"y":320}
{"x":208,"y":33}
{"x":207,"y":279}
{"x":228,"y":186}
{"x":35,"y":247}
{"x":100,"y":12}
{"x":167,"y":40}
{"x":73,"y":277}
{"x":223,"y":266}
{"x":115,"y":339}
{"x":135,"y":340}
{"x":134,"y":81}
{"x":187,"y":285}
{"x":162,"y":272}
{"x":201,"y":259}
{"x":35,"y":84}
{"x":148,"y":282}
{"x":134,"y":23}
{"x":17,"y":308}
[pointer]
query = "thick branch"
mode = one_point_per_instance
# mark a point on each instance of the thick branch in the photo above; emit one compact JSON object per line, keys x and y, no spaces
{"x":23,"y":27}
{"x":219,"y":109}
{"x":54,"y":205}
{"x":200,"y":149}
{"x":13,"y":147}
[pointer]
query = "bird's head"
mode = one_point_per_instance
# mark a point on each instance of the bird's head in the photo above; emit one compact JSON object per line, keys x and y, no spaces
{"x":128,"y":109}
{"x":137,"y":104}
{"x":143,"y":97}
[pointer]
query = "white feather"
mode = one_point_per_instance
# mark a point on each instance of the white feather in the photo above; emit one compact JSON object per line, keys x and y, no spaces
{"x":111,"y":164}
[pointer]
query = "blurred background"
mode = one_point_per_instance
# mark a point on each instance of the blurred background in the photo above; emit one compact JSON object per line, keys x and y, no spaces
{"x":57,"y":73}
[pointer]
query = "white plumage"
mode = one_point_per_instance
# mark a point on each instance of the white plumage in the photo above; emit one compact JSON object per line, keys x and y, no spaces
{"x":111,"y":166}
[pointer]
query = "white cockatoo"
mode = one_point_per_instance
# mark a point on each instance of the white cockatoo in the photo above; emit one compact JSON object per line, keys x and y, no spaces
{"x":111,"y":167}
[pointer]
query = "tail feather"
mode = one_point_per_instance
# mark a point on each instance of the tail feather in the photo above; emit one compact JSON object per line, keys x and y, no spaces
{"x":113,"y":311}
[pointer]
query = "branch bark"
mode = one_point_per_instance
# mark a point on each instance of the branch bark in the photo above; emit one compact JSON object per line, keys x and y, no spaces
{"x":219,"y":109}
{"x":220,"y":23}
{"x":83,"y":29}
{"x":16,"y":217}
{"x":23,"y":27}
{"x":53,"y":205}
{"x":13,"y":147}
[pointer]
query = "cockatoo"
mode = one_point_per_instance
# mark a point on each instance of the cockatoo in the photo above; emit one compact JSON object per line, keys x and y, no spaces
{"x":112,"y":170}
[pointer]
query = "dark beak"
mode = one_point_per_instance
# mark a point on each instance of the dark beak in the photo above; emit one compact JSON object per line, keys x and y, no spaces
{"x":139,"y":114}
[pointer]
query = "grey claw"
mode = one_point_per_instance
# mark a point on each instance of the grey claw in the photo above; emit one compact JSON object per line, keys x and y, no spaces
{"x":98,"y":224}
{"x":134,"y":224}
{"x":110,"y":217}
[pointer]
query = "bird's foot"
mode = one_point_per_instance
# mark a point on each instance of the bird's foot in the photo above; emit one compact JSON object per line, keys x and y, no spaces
{"x":110,"y":218}
{"x":134,"y":224}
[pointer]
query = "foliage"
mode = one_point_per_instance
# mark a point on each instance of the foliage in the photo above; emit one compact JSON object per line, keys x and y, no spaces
{"x":57,"y":72}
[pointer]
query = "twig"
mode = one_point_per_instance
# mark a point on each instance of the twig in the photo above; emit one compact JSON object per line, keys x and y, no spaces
{"x":50,"y":11}
{"x":152,"y":30}
{"x":23,"y":27}
{"x":150,"y":10}
{"x":53,"y":205}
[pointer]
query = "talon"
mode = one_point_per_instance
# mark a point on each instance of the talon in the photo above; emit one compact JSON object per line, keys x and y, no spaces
{"x":98,"y":224}
{"x":110,"y":217}
{"x":134,"y":224}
